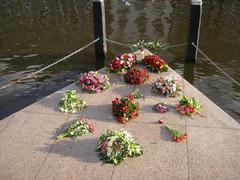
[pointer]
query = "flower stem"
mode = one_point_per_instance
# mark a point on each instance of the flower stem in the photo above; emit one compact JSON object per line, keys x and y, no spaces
{"x":62,"y":136}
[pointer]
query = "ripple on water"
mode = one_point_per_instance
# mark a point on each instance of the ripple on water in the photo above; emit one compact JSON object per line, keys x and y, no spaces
{"x":31,"y":55}
{"x":16,"y":56}
{"x":5,"y":59}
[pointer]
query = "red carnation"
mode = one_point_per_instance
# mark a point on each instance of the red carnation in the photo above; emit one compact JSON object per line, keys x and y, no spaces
{"x":136,"y":76}
{"x":155,"y":63}
{"x":127,"y":108}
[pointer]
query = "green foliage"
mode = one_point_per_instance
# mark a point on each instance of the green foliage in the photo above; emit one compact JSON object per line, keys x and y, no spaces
{"x":116,"y":146}
{"x":153,"y":47}
{"x":76,"y":129}
{"x":174,"y":132}
{"x":136,"y":94}
{"x":165,"y":68}
{"x":71,"y":102}
{"x":191,"y":102}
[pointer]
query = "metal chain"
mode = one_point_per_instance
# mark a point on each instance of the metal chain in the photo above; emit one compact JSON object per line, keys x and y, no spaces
{"x":176,"y":45}
{"x":219,"y":68}
{"x":30,"y":75}
{"x":118,"y":43}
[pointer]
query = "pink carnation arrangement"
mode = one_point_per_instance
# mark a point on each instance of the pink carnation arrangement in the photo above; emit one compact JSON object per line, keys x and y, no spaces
{"x":160,"y":108}
{"x":122,"y":63}
{"x":94,"y":82}
{"x":168,"y":86}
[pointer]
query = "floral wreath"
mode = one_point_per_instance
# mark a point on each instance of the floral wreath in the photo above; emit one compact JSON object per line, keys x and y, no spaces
{"x":125,"y":108}
{"x":136,"y":76}
{"x":70,"y":102}
{"x":155,"y":63}
{"x":160,"y":108}
{"x":116,"y":146}
{"x":188,"y":107}
{"x":94,"y":82}
{"x":168,"y":86}
{"x":122,"y":63}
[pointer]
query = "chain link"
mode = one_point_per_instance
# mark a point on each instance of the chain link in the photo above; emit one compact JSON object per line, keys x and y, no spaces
{"x":30,"y":75}
{"x":176,"y":45}
{"x":118,"y":43}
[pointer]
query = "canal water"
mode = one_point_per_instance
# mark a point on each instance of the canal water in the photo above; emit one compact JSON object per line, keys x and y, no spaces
{"x":36,"y":33}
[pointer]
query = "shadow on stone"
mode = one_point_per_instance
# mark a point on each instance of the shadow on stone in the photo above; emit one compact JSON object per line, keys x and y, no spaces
{"x":146,"y":109}
{"x":52,"y":101}
{"x":98,"y":113}
{"x":164,"y":134}
{"x":145,"y":89}
{"x":116,"y":78}
{"x":62,"y":128}
{"x":77,"y":148}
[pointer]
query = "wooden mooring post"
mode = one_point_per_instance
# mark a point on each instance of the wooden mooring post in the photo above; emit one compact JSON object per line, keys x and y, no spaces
{"x":99,"y":32}
{"x":194,"y":30}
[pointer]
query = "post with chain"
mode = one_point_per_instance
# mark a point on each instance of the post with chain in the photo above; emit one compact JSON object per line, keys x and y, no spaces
{"x":194,"y":30}
{"x":99,"y":32}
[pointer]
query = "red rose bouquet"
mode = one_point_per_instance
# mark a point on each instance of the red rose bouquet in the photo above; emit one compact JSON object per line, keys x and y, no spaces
{"x":155,"y":63}
{"x":121,"y":64}
{"x":136,"y":76}
{"x":125,"y":108}
{"x":188,"y":107}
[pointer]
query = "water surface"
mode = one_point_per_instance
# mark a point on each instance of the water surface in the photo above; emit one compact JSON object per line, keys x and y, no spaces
{"x":36,"y":33}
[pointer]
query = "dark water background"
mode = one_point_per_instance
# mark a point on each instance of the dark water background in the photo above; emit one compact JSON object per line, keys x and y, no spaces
{"x":34,"y":33}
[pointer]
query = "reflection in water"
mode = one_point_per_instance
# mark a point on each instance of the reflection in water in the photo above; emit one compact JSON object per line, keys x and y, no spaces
{"x":188,"y":72}
{"x":36,"y":33}
{"x":58,"y":13}
{"x":141,"y":19}
{"x":44,"y":15}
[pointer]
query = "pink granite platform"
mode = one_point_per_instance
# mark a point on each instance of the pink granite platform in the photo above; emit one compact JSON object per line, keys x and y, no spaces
{"x":29,"y":150}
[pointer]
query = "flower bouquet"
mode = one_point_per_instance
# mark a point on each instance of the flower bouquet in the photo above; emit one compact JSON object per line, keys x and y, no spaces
{"x":125,"y":108}
{"x":136,"y":76}
{"x":155,"y":63}
{"x":177,"y":135}
{"x":121,"y":64}
{"x":160,"y":108}
{"x":116,"y":146}
{"x":188,"y":107}
{"x":77,"y":128}
{"x":153,"y":47}
{"x":167,"y":86}
{"x":70,"y":102}
{"x":94,"y":82}
{"x":136,"y":94}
